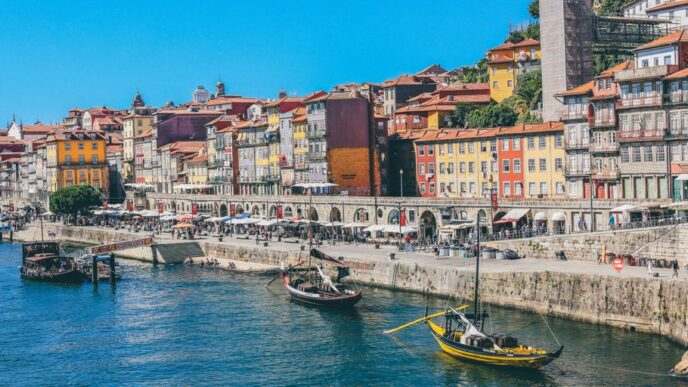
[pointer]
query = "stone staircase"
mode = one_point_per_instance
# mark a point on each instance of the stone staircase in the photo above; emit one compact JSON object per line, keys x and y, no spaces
{"x":172,"y":253}
{"x":670,"y":245}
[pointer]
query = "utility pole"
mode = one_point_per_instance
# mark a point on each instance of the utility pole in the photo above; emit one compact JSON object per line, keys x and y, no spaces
{"x":401,"y":183}
{"x":592,"y":214}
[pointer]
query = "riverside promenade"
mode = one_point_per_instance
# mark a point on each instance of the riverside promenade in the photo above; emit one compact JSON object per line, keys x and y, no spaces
{"x":575,"y":289}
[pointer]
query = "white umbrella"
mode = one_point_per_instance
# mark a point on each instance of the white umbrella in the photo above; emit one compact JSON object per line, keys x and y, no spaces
{"x":374,"y":228}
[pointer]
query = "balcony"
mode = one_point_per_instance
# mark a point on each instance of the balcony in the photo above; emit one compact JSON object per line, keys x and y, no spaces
{"x":577,"y":171}
{"x":627,"y":103}
{"x":644,"y":73}
{"x":315,"y":133}
{"x":317,"y":155}
{"x":674,"y":98}
{"x":603,"y":120}
{"x":576,"y":144}
{"x":639,"y":135}
{"x":301,"y":165}
{"x":576,"y":114}
{"x":251,"y":142}
{"x":604,"y":147}
{"x":248,"y":179}
{"x":270,"y":178}
{"x":679,"y":130}
{"x":606,"y":174}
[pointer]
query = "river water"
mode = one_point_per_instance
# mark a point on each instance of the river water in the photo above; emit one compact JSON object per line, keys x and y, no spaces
{"x":190,"y":326}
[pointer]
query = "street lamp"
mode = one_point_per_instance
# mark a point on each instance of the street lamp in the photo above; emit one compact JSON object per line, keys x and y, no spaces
{"x":401,"y":183}
{"x":592,"y":214}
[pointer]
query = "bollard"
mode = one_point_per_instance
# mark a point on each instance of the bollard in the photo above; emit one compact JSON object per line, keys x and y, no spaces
{"x":112,"y":269}
{"x":94,"y":270}
{"x":11,"y":236}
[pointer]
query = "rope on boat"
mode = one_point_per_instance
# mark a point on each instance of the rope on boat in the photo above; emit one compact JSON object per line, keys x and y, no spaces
{"x":550,"y":329}
{"x":667,"y":375}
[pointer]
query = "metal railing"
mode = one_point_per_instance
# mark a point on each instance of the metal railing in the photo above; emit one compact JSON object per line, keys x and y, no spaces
{"x":606,"y":174}
{"x":577,"y":171}
{"x":604,"y":147}
{"x":317,"y":154}
{"x":639,"y":135}
{"x":576,"y":144}
{"x":604,"y":120}
{"x":574,"y":115}
{"x":652,"y":100}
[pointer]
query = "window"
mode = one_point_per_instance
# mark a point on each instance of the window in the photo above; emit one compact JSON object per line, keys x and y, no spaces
{"x":471,"y":167}
{"x":94,"y":159}
{"x":648,"y":153}
{"x":507,"y":188}
{"x":543,"y":165}
{"x":636,"y":154}
{"x":505,"y":144}
{"x":471,"y":147}
{"x":82,"y":159}
{"x":645,"y":63}
{"x":509,"y":83}
{"x":68,"y":145}
{"x":509,"y":69}
{"x":517,"y":189}
{"x":660,"y":153}
{"x":442,"y":170}
{"x":421,"y":150}
{"x":624,"y":155}
{"x":443,"y":187}
{"x":531,"y":165}
{"x":421,"y":168}
{"x":81,"y":145}
{"x":422,"y":187}
{"x":441,"y":146}
{"x":462,"y":148}
{"x":560,"y":188}
{"x":558,"y":164}
{"x":558,"y":141}
{"x":493,"y":146}
{"x":517,"y":165}
{"x":531,"y":189}
{"x":431,"y":150}
{"x":471,"y":187}
{"x":483,"y":166}
{"x":416,"y":119}
{"x":432,"y":188}
{"x":531,"y":142}
{"x":667,"y":59}
{"x":450,"y":168}
{"x":94,"y":145}
{"x":494,"y":166}
{"x":543,"y":189}
{"x":462,"y":167}
{"x":495,"y":85}
{"x":517,"y":144}
{"x":450,"y":149}
{"x":463,"y":187}
{"x":68,"y":158}
{"x":543,"y":142}
{"x":431,"y":167}
{"x":506,"y":165}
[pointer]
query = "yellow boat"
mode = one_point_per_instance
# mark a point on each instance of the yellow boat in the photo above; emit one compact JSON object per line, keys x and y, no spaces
{"x":460,"y":339}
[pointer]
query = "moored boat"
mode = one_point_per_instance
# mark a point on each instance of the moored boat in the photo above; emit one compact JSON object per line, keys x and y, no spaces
{"x":42,"y":261}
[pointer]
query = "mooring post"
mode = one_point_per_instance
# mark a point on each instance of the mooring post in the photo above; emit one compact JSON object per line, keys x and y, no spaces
{"x":11,"y":235}
{"x":112,"y":269}
{"x":1,"y":236}
{"x":154,"y":251}
{"x":94,"y":270}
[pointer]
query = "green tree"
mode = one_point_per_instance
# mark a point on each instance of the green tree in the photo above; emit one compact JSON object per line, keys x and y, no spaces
{"x":73,"y":199}
{"x":491,"y":116}
{"x":611,"y":7}
{"x":459,"y":116}
{"x":534,"y":9}
{"x":474,"y":74}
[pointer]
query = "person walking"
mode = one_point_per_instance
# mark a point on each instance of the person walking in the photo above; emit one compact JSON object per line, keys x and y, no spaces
{"x":649,"y":267}
{"x":674,"y":265}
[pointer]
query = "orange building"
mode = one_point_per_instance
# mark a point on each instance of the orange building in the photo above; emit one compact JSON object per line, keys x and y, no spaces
{"x":76,"y":157}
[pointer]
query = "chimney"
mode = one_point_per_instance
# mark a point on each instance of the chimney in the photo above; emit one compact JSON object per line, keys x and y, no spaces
{"x":282,"y":94}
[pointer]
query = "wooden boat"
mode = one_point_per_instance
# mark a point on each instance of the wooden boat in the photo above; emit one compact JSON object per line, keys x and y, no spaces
{"x":42,"y":261}
{"x":314,"y":287}
{"x":464,"y":339}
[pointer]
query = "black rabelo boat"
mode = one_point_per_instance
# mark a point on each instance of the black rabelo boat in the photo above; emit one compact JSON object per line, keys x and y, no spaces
{"x":314,"y":287}
{"x":42,"y":261}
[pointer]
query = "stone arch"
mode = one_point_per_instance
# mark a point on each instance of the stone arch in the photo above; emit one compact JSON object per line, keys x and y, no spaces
{"x":255,"y":210}
{"x":299,"y":212}
{"x":335,"y":215}
{"x":223,"y":210}
{"x":173,"y":206}
{"x":393,"y":216}
{"x":273,"y":212}
{"x":428,"y":223}
{"x":239,"y":209}
{"x":498,"y":215}
{"x":313,"y":214}
{"x":288,"y":212}
{"x":361,"y":215}
{"x":482,"y":215}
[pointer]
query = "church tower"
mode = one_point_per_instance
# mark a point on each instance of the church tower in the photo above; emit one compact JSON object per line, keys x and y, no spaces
{"x":138,"y":101}
{"x":219,"y":88}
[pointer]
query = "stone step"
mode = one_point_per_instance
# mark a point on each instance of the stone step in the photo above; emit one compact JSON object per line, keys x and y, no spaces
{"x":172,"y":253}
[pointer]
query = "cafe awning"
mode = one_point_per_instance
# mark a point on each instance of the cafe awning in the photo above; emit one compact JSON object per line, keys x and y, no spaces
{"x":514,"y":215}
{"x":540,"y":216}
{"x":682,"y":177}
{"x":559,"y":217}
{"x":624,"y":208}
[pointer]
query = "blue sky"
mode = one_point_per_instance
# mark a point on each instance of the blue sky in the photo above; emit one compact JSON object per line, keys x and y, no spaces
{"x":61,"y":54}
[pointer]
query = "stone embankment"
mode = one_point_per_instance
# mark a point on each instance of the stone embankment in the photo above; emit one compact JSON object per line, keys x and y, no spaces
{"x":574,"y":290}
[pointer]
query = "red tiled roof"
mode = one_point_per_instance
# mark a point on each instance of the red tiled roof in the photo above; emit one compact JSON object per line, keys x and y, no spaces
{"x":580,"y":90}
{"x":608,"y":73}
{"x":402,"y":80}
{"x":232,"y":99}
{"x":39,"y":128}
{"x":113,"y":149}
{"x":673,"y":38}
{"x":679,"y":74}
{"x":668,"y":5}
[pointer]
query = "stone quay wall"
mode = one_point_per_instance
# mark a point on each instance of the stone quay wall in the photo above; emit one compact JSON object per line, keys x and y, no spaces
{"x":657,"y":306}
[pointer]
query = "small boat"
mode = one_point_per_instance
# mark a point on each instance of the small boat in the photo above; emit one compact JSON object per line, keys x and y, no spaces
{"x":464,"y":339}
{"x":42,"y":261}
{"x":314,"y":287}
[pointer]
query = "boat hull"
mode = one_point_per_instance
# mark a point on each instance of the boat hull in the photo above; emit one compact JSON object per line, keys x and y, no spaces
{"x":484,"y":356}
{"x":321,"y":299}
{"x":69,"y":277}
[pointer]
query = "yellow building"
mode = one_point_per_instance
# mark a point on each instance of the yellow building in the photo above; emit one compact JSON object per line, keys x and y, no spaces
{"x":76,"y":157}
{"x":507,"y":62}
{"x":196,"y":167}
{"x":543,"y":159}
{"x":299,"y":128}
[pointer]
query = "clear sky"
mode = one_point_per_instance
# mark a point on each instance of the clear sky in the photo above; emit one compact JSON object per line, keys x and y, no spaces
{"x":61,"y":54}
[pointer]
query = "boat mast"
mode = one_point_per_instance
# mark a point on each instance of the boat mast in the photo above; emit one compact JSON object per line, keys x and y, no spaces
{"x":310,"y":231}
{"x":477,"y":273}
